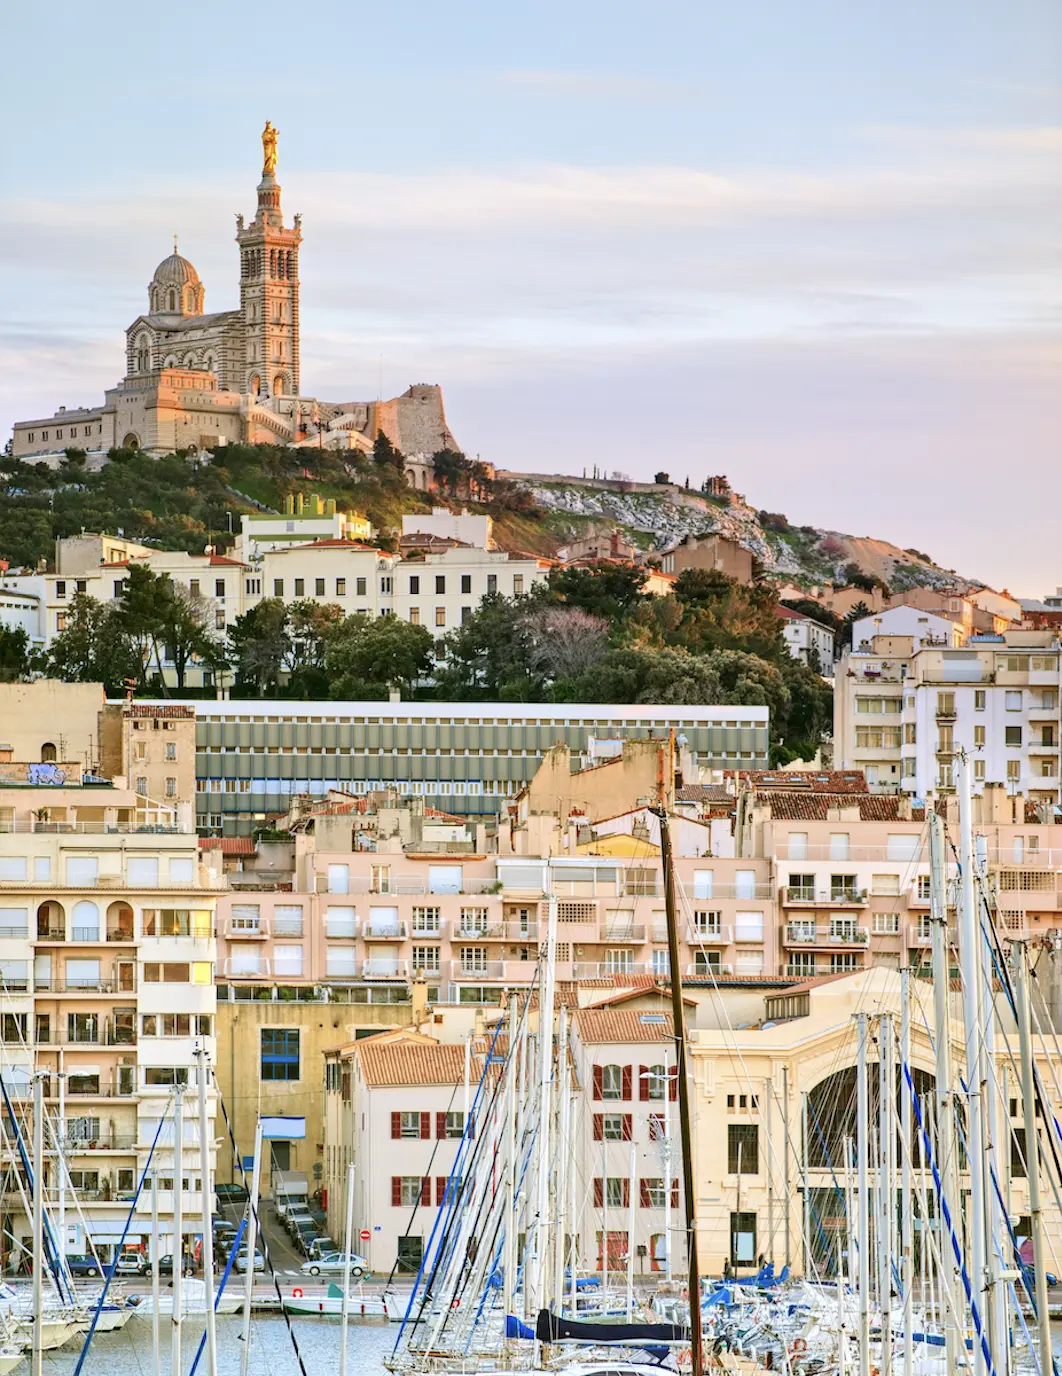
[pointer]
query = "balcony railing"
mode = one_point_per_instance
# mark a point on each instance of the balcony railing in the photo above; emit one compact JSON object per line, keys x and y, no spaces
{"x":808,"y":934}
{"x":375,"y":967}
{"x":607,"y":970}
{"x":623,"y":932}
{"x":704,"y":971}
{"x":341,"y":928}
{"x":31,"y":826}
{"x":105,"y":1142}
{"x":384,"y":931}
{"x":474,"y":931}
{"x":403,"y":884}
{"x":287,"y":926}
{"x":835,"y":896}
{"x":246,"y":929}
{"x":735,"y":891}
{"x":108,"y":985}
{"x":432,"y":932}
{"x":234,"y":967}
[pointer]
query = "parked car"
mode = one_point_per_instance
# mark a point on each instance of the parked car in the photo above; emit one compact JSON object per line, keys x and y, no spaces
{"x":232,"y":1194}
{"x":130,"y":1263}
{"x":332,"y":1265}
{"x":80,"y":1265}
{"x":241,"y":1260}
{"x":297,"y":1213}
{"x":165,"y":1265}
{"x":305,"y":1236}
{"x":319,"y":1246}
{"x":223,"y":1228}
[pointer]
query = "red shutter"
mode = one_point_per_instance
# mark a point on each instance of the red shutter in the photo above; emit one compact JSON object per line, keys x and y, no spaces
{"x":643,"y":1083}
{"x":628,"y":1077}
{"x":599,"y":1192}
{"x":396,"y":1125}
{"x":425,"y":1189}
{"x":598,"y":1082}
{"x":396,"y":1190}
{"x":440,"y":1125}
{"x":599,"y":1127}
{"x":643,"y":1191}
{"x":674,"y":1194}
{"x":440,"y":1189}
{"x":672,"y":1088}
{"x":626,"y":1193}
{"x":425,"y":1125}
{"x":628,"y":1126}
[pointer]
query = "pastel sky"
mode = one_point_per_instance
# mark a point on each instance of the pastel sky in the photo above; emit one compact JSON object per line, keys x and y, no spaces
{"x":813,"y":246}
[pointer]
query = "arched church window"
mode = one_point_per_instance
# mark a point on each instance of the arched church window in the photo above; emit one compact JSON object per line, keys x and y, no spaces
{"x":172,"y":301}
{"x":256,"y":385}
{"x":278,"y":385}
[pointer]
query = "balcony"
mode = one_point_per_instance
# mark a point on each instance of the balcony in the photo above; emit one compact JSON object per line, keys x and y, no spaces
{"x":384,"y":931}
{"x":609,"y":970}
{"x":480,"y":970}
{"x":521,"y":931}
{"x":703,"y":971}
{"x":432,"y":932}
{"x":916,"y":898}
{"x":239,"y":967}
{"x":104,"y":985}
{"x":732,"y":891}
{"x":106,"y":1035}
{"x":125,"y":1142}
{"x":1048,"y":746}
{"x":623,"y":933}
{"x":246,"y":929}
{"x":834,"y":897}
{"x":810,"y":934}
{"x":382,"y":967}
{"x":341,"y":928}
{"x":714,"y":934}
{"x":487,"y":931}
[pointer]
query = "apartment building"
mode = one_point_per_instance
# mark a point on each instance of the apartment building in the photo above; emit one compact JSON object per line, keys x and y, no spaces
{"x":442,"y":590}
{"x":903,"y":709}
{"x":808,"y":640}
{"x":107,"y":963}
{"x":465,"y":758}
{"x":305,"y":519}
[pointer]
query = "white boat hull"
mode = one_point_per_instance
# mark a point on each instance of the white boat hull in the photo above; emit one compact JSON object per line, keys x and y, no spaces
{"x":361,"y":1306}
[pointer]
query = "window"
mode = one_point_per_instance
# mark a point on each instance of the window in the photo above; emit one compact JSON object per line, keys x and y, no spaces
{"x":492,"y":582}
{"x":426,"y":959}
{"x":466,"y":615}
{"x":743,"y":1148}
{"x":60,"y":587}
{"x":414,"y":583}
{"x":704,"y":962}
{"x":612,"y":1082}
{"x":466,"y":582}
{"x":473,"y":960}
{"x":360,"y":586}
{"x":165,"y":1075}
{"x":410,"y":1190}
{"x":1012,"y":701}
{"x":707,"y":922}
{"x":801,"y":964}
{"x":410,"y":1123}
{"x":798,"y":846}
{"x":13,"y":1028}
{"x":341,"y":587}
{"x":440,"y":582}
{"x":979,"y":770}
{"x":945,"y":704}
{"x":910,"y":733}
{"x":450,"y":1124}
{"x":802,"y":888}
{"x":979,"y":736}
{"x":1012,"y":735}
{"x":612,"y":1127}
{"x":518,"y":584}
{"x":280,"y":1053}
{"x":979,"y":699}
{"x":278,"y":587}
{"x":885,"y":883}
{"x":440,"y":616}
{"x":748,"y":927}
{"x":1013,"y":771}
{"x":842,"y":963}
{"x":385,"y":586}
{"x":318,"y":587}
{"x":653,"y":1195}
{"x":300,"y":587}
{"x":614,"y":1192}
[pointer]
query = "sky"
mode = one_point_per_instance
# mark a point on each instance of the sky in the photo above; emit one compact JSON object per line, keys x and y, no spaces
{"x":816,"y":247}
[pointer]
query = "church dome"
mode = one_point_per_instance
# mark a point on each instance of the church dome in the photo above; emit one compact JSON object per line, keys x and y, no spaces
{"x":175,"y":271}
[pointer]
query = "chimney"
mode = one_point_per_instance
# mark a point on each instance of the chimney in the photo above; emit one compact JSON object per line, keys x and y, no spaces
{"x":420,"y":1002}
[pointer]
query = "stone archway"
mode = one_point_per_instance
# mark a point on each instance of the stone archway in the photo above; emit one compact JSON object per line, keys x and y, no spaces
{"x":131,"y":441}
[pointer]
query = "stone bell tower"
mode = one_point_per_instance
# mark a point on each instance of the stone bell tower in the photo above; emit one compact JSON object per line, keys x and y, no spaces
{"x":269,"y":287}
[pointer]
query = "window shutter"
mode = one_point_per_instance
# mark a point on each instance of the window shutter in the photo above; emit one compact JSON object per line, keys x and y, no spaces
{"x":598,"y":1082}
{"x":396,"y":1125}
{"x":674,"y":1194}
{"x":643,"y":1083}
{"x":396,"y":1190}
{"x":599,"y":1192}
{"x":627,"y":1078}
{"x":440,"y":1125}
{"x":626,"y":1193}
{"x":643,"y":1190}
{"x":425,"y":1125}
{"x":599,"y":1127}
{"x":628,"y":1133}
{"x":672,"y":1088}
{"x":425,"y":1189}
{"x":440,"y":1190}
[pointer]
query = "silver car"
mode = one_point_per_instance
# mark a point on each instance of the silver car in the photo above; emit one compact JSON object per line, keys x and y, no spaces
{"x":331,"y":1264}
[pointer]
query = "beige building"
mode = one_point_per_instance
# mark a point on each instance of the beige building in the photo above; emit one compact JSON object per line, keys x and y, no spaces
{"x":196,"y":380}
{"x":709,"y":552}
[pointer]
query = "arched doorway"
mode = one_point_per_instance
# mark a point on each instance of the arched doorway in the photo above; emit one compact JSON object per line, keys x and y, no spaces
{"x":51,"y":921}
{"x":280,"y":385}
{"x":131,"y":441}
{"x":255,"y":387}
{"x":49,"y":755}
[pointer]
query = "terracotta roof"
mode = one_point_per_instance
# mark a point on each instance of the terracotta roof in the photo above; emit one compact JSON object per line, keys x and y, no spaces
{"x":333,"y":542}
{"x":228,"y":845}
{"x":815,"y":807}
{"x":703,"y":793}
{"x":135,"y":709}
{"x":628,"y":994}
{"x":437,"y":816}
{"x":804,"y":780}
{"x":623,"y":1025}
{"x":411,"y":1063}
{"x":224,"y":559}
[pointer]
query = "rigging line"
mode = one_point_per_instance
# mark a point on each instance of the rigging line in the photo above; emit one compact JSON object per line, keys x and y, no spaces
{"x":945,"y":1213}
{"x":50,"y":1248}
{"x":118,"y":1250}
{"x":253,"y":1205}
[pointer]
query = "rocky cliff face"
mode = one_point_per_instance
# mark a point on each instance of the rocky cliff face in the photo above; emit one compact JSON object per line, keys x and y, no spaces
{"x":654,"y":519}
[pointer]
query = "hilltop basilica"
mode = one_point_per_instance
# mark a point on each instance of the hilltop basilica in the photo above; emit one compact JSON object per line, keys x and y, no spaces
{"x":195,"y":380}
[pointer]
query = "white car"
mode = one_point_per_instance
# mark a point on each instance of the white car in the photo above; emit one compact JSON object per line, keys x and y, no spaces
{"x":331,"y":1264}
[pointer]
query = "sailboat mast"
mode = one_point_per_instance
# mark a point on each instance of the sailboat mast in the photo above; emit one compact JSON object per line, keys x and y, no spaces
{"x":863,"y":1156}
{"x":1032,"y":1157}
{"x":945,"y":1115}
{"x":906,"y":1212}
{"x":538,"y":1260}
{"x":37,"y":1365}
{"x":685,"y":1117}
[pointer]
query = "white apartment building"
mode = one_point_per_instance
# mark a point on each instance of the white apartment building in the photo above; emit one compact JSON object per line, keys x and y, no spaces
{"x":903,"y":710}
{"x":924,"y":627}
{"x":107,"y":960}
{"x":808,"y":640}
{"x":441,"y":591}
{"x":442,"y":524}
{"x":303,"y":521}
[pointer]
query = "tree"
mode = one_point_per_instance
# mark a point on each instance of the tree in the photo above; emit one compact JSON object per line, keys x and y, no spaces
{"x":364,"y":658}
{"x":93,"y":648}
{"x":310,"y":626}
{"x":451,"y":470}
{"x":260,"y":645}
{"x":14,"y":653}
{"x":385,"y":455}
{"x":491,"y":654}
{"x":143,"y":611}
{"x":187,"y":633}
{"x":565,"y":641}
{"x":601,"y":588}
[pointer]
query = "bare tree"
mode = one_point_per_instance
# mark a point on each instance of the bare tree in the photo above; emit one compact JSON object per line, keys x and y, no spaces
{"x":566,"y":641}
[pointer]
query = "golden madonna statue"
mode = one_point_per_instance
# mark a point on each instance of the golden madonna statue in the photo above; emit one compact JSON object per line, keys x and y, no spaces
{"x":269,"y":149}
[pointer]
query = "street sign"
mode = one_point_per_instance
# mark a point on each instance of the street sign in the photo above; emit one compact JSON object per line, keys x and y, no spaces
{"x":365,"y":1235}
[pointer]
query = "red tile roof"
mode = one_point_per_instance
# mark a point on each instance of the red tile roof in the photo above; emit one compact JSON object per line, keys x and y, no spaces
{"x":815,"y":807}
{"x":333,"y":542}
{"x":135,"y":709}
{"x":228,"y":845}
{"x":410,"y":1063}
{"x":598,"y":1025}
{"x":805,"y":780}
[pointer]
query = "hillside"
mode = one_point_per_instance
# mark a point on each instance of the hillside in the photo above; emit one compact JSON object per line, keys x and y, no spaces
{"x":179,"y":503}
